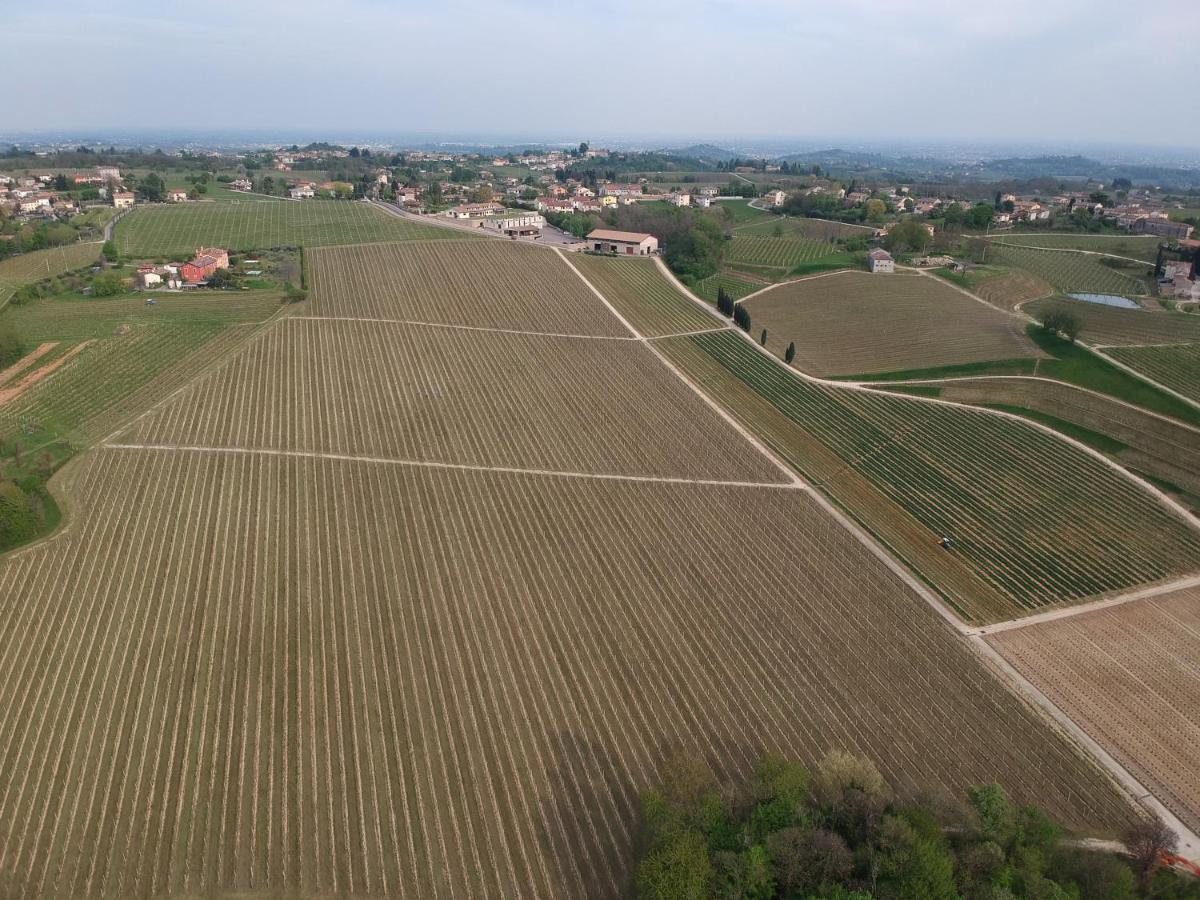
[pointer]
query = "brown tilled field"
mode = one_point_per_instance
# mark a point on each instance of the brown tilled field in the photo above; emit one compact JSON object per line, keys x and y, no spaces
{"x":853,"y":323}
{"x":482,"y":283}
{"x":250,"y":672}
{"x":1129,"y":676}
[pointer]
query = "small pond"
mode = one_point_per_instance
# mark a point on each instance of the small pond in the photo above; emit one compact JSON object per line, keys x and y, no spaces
{"x":1107,"y":300}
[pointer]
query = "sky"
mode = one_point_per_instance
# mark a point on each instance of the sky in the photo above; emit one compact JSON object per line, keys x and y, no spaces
{"x":988,"y":70}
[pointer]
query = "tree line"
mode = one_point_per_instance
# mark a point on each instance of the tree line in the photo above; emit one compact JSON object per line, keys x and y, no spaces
{"x":839,"y":832}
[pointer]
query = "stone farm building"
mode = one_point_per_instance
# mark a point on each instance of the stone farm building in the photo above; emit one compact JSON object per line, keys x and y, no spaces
{"x":206,"y":261}
{"x":879,"y":260}
{"x":624,"y":243}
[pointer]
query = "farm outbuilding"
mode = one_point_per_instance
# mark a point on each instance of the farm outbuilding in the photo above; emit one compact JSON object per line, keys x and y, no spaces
{"x":623,"y":243}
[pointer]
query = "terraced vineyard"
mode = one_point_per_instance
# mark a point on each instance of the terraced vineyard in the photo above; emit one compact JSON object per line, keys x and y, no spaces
{"x":642,"y":294}
{"x":181,"y":228}
{"x":1035,"y":522}
{"x":1175,"y":365}
{"x":1111,"y":326}
{"x":1130,"y":677}
{"x":776,"y":252}
{"x":525,"y":288}
{"x":1143,"y":247}
{"x":852,"y":323}
{"x":1069,"y":271}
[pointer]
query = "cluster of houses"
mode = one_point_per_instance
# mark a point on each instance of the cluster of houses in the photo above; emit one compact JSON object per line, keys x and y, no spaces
{"x":513,"y":223}
{"x":28,"y":197}
{"x":1179,"y":277}
{"x":193,"y":273}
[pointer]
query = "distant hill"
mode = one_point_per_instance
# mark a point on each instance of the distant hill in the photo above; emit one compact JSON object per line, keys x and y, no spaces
{"x":706,"y":152}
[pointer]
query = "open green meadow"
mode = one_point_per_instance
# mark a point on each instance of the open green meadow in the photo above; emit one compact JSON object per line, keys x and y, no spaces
{"x":180,"y":229}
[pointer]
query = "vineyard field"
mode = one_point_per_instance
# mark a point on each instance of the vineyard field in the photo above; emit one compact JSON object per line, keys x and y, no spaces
{"x":1010,"y":291}
{"x":776,"y":252}
{"x":1143,"y":247}
{"x":852,"y":323}
{"x":1129,"y":676}
{"x":240,"y":673}
{"x":1111,"y":326}
{"x":135,"y":355}
{"x":737,"y":284}
{"x":180,"y":228}
{"x":1068,"y":271}
{"x":39,"y":264}
{"x":1035,"y":521}
{"x":1166,"y":449}
{"x":643,"y":295}
{"x":458,"y":397}
{"x":1175,"y":365}
{"x":484,"y":284}
{"x":825,"y":230}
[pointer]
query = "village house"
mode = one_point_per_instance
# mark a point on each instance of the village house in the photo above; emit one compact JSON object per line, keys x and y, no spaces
{"x":775,"y":198}
{"x":620,"y":190}
{"x":123,"y":199}
{"x":303,"y":191}
{"x":177,"y":195}
{"x":703,"y":201}
{"x":587,"y":204}
{"x":584,"y":191}
{"x":623,"y":243}
{"x":35,"y":202}
{"x":206,"y":261}
{"x":551,"y":204}
{"x":241,"y":184}
{"x":880,"y":261}
{"x":679,"y":198}
{"x":474,"y":210}
{"x":108,"y":173}
{"x":147,"y":277}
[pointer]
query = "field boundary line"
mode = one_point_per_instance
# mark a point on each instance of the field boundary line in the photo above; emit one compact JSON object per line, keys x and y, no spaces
{"x":793,"y":479}
{"x":484,"y":328}
{"x":882,"y":385}
{"x":462,"y":467}
{"x":769,"y":287}
{"x":1068,"y":612}
{"x":1001,"y":667}
{"x":662,"y":337}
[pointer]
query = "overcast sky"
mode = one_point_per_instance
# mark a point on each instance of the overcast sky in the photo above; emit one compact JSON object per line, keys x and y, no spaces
{"x":1029,"y":70}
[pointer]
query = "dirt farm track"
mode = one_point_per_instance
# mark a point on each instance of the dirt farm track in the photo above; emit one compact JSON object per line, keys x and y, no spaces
{"x":411,"y":593}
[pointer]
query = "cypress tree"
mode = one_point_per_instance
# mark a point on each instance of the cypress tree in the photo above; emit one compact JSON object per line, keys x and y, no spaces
{"x":762,"y":339}
{"x":790,"y":354}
